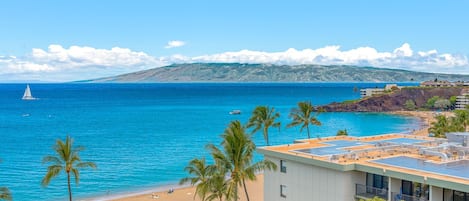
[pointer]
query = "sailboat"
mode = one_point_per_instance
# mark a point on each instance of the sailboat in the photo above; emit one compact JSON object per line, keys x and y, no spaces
{"x":27,"y":94}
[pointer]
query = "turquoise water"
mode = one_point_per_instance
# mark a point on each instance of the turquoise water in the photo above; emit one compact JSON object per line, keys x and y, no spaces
{"x":143,"y":135}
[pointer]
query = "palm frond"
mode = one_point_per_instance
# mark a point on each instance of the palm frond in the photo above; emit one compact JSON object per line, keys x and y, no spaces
{"x":5,"y":194}
{"x":52,"y":172}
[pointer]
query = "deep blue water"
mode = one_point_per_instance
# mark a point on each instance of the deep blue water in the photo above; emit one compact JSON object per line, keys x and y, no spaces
{"x":143,"y":135}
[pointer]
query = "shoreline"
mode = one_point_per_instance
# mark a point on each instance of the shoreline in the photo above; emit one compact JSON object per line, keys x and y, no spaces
{"x":183,"y":193}
{"x":255,"y":188}
{"x":427,"y":117}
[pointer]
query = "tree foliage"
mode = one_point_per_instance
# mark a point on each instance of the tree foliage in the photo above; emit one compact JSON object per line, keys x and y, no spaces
{"x":304,"y":115}
{"x":442,"y":104}
{"x":410,"y":105}
{"x":264,"y":117}
{"x":233,"y":160}
{"x":431,"y":102}
{"x":200,"y":176}
{"x":376,"y":198}
{"x":5,"y":194}
{"x":67,"y":159}
{"x":342,"y":132}
{"x":444,"y":124}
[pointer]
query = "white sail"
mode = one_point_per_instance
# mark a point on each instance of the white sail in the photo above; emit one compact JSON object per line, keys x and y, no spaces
{"x":27,"y":94}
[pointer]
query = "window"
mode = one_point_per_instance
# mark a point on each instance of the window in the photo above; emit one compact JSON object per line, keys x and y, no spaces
{"x":376,"y":181}
{"x":283,"y":191}
{"x":283,"y":168}
{"x":407,"y":187}
{"x":454,"y":195}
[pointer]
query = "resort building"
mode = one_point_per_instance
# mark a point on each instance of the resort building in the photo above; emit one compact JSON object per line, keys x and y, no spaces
{"x":368,"y":92}
{"x":437,"y":83}
{"x":394,"y":167}
{"x":462,"y":100}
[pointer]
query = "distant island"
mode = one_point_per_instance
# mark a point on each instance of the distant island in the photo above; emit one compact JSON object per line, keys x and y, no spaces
{"x":236,"y":72}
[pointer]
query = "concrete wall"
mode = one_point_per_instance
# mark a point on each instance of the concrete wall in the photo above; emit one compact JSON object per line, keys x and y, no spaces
{"x":394,"y":186}
{"x":310,"y":183}
{"x":436,"y":193}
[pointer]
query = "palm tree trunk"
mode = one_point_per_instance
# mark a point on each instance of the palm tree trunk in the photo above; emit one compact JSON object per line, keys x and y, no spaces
{"x":266,"y":134}
{"x":69,"y":188}
{"x":245,"y":190}
{"x":307,"y":129}
{"x":236,"y":192}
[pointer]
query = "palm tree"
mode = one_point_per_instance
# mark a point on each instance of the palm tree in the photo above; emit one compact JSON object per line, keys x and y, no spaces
{"x":235,"y":156}
{"x":218,"y":186}
{"x":440,"y":127}
{"x":68,"y":160}
{"x":5,"y":194}
{"x":201,"y":173}
{"x":263,"y":117}
{"x":304,"y":115}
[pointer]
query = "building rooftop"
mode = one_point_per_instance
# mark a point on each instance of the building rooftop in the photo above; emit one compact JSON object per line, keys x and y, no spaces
{"x":418,"y":156}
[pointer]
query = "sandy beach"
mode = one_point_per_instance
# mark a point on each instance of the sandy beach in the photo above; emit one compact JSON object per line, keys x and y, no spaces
{"x":256,"y":188}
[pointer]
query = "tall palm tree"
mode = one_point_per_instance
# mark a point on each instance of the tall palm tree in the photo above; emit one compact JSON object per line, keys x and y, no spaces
{"x":200,"y":176}
{"x":235,"y":156}
{"x":304,"y":115}
{"x":68,"y":160}
{"x":263,"y":117}
{"x":5,"y":194}
{"x":440,"y":127}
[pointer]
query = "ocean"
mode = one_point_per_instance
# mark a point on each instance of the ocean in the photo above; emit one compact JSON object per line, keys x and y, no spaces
{"x":142,"y":136}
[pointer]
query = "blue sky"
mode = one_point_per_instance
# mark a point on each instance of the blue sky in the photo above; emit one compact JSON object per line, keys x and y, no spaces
{"x":219,"y":31}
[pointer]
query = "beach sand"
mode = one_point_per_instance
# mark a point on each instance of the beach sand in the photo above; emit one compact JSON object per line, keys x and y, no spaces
{"x":427,"y":117}
{"x":255,"y":190}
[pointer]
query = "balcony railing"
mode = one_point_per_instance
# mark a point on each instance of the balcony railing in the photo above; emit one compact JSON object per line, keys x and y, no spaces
{"x":402,"y":197}
{"x":363,"y":191}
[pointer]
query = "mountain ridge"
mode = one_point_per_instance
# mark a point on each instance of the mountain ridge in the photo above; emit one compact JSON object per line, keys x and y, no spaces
{"x":237,"y":72}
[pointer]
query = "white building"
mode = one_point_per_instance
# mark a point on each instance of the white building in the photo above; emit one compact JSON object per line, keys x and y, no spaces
{"x":368,"y":92}
{"x":393,"y":167}
{"x":462,"y":100}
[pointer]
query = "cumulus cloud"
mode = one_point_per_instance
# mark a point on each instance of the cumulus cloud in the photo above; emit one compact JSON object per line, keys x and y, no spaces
{"x":402,"y":58}
{"x":74,"y":62}
{"x":175,"y":43}
{"x":57,"y":63}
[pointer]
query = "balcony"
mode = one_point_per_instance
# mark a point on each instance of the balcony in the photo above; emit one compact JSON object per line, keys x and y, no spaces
{"x":402,"y":197}
{"x":367,"y":192}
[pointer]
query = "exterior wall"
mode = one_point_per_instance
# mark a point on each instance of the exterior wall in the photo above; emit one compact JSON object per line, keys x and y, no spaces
{"x":436,"y":193}
{"x":370,"y":92}
{"x":394,"y":186}
{"x":310,"y":183}
{"x":462,"y":101}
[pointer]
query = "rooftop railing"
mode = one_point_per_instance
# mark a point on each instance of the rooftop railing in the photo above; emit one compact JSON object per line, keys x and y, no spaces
{"x":402,"y":197}
{"x":363,"y":191}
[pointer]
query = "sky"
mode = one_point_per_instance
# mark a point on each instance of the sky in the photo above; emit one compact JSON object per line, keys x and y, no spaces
{"x":75,"y":40}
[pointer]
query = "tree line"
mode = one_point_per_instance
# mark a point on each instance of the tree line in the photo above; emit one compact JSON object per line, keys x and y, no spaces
{"x":456,"y":123}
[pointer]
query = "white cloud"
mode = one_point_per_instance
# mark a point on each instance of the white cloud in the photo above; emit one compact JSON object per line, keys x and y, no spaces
{"x":57,"y":63}
{"x":76,"y":62}
{"x":175,"y":43}
{"x":402,"y":58}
